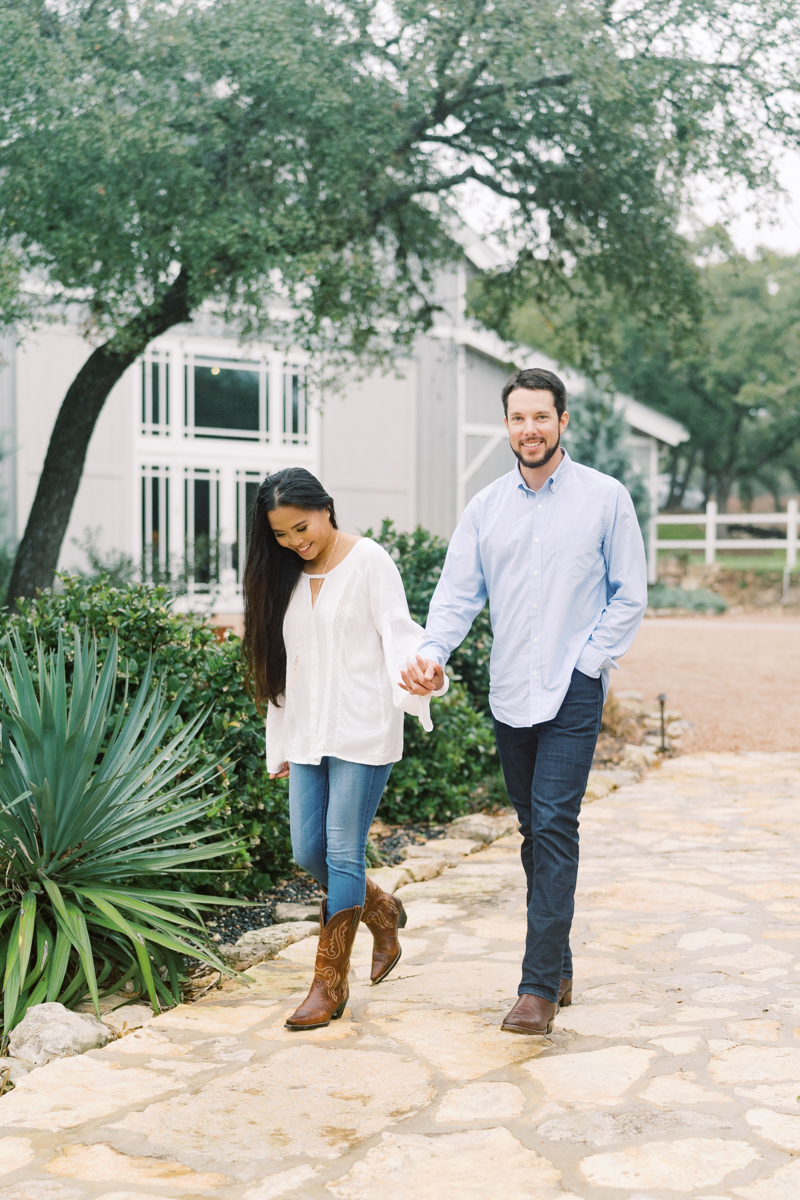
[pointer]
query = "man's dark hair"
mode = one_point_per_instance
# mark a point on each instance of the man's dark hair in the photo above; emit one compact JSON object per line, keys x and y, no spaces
{"x":536,"y":379}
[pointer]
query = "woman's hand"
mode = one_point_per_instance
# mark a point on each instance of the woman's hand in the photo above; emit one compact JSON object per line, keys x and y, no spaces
{"x":282,"y":774}
{"x":422,"y":677}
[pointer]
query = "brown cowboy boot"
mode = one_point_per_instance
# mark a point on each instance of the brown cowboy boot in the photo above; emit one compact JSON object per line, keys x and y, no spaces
{"x":565,"y":993}
{"x":329,"y":991}
{"x":383,"y":915}
{"x":531,"y":1014}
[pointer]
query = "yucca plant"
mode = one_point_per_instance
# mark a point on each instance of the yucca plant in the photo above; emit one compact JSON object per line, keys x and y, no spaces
{"x":91,"y":807}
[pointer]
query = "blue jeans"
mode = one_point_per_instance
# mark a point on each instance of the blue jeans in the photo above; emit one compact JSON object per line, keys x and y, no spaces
{"x":331,"y":807}
{"x":546,"y":768}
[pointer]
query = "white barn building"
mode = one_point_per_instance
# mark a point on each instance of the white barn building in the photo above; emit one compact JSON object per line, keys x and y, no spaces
{"x":190,"y":430}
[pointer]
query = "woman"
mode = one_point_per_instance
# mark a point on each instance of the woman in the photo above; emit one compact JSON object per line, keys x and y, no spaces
{"x":327,"y":632}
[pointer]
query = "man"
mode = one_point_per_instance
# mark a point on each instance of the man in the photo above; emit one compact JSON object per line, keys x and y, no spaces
{"x":557,"y":550}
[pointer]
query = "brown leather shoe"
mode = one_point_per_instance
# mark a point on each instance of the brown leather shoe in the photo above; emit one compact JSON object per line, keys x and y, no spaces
{"x":531,"y":1014}
{"x":329,"y":992}
{"x":565,"y":993}
{"x":383,"y":916}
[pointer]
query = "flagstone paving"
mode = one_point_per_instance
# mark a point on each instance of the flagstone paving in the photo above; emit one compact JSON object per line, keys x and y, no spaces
{"x":675,"y":1072}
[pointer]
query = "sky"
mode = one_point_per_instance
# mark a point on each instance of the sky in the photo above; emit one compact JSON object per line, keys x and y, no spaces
{"x":778,"y":228}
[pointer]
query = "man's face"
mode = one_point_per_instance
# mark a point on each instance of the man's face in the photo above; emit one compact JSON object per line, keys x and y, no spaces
{"x":534,"y":427}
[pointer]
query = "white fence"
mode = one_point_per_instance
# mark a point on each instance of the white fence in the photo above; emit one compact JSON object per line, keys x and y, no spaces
{"x":711,"y":544}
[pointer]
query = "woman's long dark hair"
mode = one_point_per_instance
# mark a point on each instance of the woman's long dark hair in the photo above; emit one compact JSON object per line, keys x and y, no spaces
{"x":270,"y":577}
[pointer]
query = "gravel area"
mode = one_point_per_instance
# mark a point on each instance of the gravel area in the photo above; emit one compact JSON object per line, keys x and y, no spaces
{"x":735,"y":677}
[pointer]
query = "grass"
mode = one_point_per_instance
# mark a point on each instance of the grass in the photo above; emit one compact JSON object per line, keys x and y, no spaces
{"x":767,"y":561}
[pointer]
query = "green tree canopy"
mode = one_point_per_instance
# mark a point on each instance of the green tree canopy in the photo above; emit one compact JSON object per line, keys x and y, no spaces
{"x":301,"y":161}
{"x":737,"y":390}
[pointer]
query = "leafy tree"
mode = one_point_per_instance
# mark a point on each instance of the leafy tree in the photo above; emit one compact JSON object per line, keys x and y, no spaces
{"x":596,"y":438}
{"x":249,"y":156}
{"x":737,"y":390}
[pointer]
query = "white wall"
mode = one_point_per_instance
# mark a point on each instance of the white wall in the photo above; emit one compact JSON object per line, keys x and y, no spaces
{"x":46,"y":364}
{"x":368,"y":450}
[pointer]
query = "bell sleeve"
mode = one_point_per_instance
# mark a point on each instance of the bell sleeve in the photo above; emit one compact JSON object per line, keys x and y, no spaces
{"x":400,"y":636}
{"x":275,"y":736}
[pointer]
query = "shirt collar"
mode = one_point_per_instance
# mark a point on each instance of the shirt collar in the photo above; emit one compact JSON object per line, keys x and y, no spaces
{"x":556,"y":479}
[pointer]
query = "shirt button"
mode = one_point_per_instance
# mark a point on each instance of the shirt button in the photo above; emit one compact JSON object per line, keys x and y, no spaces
{"x":538,"y":506}
{"x":536,"y":672}
{"x":536,"y":639}
{"x":536,"y":572}
{"x":536,"y":606}
{"x":536,"y":539}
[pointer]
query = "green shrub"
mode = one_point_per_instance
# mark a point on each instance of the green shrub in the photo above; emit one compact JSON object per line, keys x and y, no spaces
{"x":254,"y":809}
{"x":693,"y":599}
{"x":94,"y":796}
{"x":439,"y":770}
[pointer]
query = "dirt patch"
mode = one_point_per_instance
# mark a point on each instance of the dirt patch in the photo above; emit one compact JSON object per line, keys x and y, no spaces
{"x":736,"y":678}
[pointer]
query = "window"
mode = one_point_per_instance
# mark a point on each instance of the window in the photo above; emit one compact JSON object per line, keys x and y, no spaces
{"x":155,"y":524}
{"x":226,"y":398}
{"x":247,"y":485}
{"x":155,"y":392}
{"x":295,"y":405}
{"x":201,"y":526}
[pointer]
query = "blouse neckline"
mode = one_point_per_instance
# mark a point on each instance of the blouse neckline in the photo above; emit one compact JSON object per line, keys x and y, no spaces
{"x":327,"y":574}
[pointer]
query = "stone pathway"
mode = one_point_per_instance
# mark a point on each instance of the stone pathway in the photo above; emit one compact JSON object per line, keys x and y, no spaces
{"x":675,"y":1072}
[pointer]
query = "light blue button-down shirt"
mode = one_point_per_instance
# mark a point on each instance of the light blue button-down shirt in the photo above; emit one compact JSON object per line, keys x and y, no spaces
{"x":565,"y":574}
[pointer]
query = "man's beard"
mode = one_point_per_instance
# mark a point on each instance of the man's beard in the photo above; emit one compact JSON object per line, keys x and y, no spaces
{"x":548,"y":454}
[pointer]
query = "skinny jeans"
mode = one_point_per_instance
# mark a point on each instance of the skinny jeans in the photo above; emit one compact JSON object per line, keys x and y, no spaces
{"x":331,"y":807}
{"x":546,"y":768}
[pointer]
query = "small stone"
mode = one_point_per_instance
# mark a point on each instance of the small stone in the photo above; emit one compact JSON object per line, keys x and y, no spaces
{"x":306,"y":1099}
{"x":451,"y":1164}
{"x":759,"y":1064}
{"x":779,"y":1095}
{"x":461,"y":1045}
{"x":44,"y":1189}
{"x":700,"y":938}
{"x":443,"y":848}
{"x":480,"y":827}
{"x":277,"y":936}
{"x":639,"y":756}
{"x":606,"y":1129}
{"x":281,"y":1183}
{"x":127,"y":1018}
{"x":594,"y":1077}
{"x":676,"y":1045}
{"x":100,"y":1163}
{"x":296,"y":912}
{"x":674,"y":1166}
{"x":421,"y":869}
{"x":389,"y":878}
{"x":51,"y":1031}
{"x":668,"y":1090}
{"x":783,"y":1185}
{"x":69,"y":1091}
{"x":779,"y":1128}
{"x":482,"y":1102}
{"x":603,"y":1020}
{"x":754,"y":1030}
{"x":15,"y":1152}
{"x":599,"y":785}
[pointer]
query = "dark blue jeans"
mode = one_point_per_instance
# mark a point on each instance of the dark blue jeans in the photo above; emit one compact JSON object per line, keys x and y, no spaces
{"x":546,"y":768}
{"x":331,"y":807}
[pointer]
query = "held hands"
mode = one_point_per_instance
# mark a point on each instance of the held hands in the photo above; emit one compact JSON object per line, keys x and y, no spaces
{"x":422,"y":677}
{"x":282,"y":774}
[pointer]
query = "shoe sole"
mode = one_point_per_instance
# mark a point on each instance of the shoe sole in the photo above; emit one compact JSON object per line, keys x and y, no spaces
{"x":402,"y":919}
{"x":320,"y":1024}
{"x":530,"y":1032}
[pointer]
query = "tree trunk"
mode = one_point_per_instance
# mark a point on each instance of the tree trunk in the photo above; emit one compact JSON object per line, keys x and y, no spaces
{"x":37,"y":554}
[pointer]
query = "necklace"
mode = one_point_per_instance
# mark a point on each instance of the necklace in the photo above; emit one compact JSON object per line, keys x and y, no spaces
{"x":314,"y":599}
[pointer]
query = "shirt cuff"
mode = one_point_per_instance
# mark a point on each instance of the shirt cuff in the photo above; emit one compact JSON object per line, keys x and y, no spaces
{"x":593,"y":662}
{"x":429,"y":650}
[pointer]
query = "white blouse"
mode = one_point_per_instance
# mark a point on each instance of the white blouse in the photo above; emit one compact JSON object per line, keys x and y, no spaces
{"x":343,"y":697}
